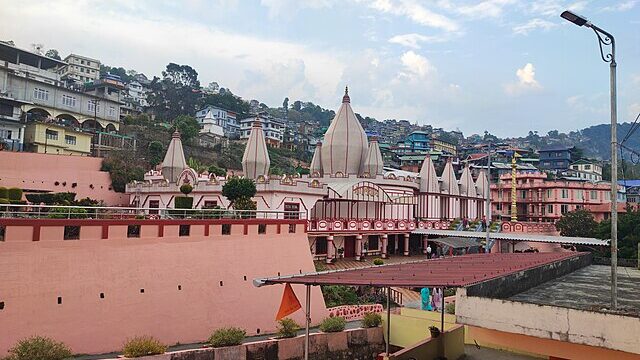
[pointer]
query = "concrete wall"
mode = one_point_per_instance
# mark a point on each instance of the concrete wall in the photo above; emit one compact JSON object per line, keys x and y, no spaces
{"x":97,"y":291}
{"x":566,"y":325}
{"x":412,"y":326}
{"x":450,"y":344}
{"x":31,"y":171}
{"x":510,"y":285}
{"x":345,"y":345}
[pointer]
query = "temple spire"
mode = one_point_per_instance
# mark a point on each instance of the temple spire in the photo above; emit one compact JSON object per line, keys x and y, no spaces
{"x":255,"y":161}
{"x":316,"y":162}
{"x":174,"y":162}
{"x":373,"y":164}
{"x":346,"y":98}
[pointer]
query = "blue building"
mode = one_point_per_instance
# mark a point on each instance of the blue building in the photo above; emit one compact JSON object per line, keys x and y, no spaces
{"x":557,"y":157}
{"x":418,"y":141}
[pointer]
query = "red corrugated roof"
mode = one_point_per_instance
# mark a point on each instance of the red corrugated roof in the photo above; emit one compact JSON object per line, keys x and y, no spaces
{"x":456,"y":271}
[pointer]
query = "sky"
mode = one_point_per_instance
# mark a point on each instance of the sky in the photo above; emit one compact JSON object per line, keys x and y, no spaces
{"x":504,"y":66}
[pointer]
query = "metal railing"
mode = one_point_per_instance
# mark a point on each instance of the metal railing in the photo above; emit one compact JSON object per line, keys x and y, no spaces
{"x":105,"y":212}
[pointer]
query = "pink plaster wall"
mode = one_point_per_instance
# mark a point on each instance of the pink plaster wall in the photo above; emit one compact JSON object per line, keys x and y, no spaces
{"x":32,"y":171}
{"x":35,"y":274}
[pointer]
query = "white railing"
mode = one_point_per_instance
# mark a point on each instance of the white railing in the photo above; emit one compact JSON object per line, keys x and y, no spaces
{"x":106,"y":212}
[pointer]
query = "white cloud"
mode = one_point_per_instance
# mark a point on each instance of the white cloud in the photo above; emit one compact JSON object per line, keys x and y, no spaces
{"x":233,"y":61}
{"x":593,"y":104}
{"x":416,"y":64}
{"x":532,"y":25}
{"x":635,"y":79}
{"x":526,"y":81}
{"x":483,"y":9}
{"x":621,"y":6}
{"x":413,"y":40}
{"x":284,"y":7}
{"x":634,"y":111}
{"x":416,"y":12}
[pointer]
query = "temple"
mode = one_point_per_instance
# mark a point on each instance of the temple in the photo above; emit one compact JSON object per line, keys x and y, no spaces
{"x":353,"y":206}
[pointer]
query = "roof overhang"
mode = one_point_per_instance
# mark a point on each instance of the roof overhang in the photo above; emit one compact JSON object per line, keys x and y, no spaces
{"x":516,"y":237}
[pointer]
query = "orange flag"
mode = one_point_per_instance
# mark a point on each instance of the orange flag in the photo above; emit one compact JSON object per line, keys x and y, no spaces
{"x":289,"y":303}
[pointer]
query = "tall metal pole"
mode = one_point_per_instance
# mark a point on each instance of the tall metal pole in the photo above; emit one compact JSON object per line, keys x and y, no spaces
{"x":514,"y":195}
{"x":307,"y":322}
{"x":386,"y":350}
{"x":487,"y":211}
{"x":442,"y":313}
{"x":614,"y":180}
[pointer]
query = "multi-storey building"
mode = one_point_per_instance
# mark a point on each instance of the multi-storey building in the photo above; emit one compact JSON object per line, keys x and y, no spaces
{"x":586,"y":170}
{"x":138,"y":93}
{"x":539,"y":199}
{"x":11,"y":126}
{"x":212,"y":117}
{"x":30,"y":77}
{"x":418,"y":141}
{"x":555,"y":157}
{"x":51,"y":138}
{"x":273,"y":128}
{"x":444,"y":146}
{"x":79,"y":69}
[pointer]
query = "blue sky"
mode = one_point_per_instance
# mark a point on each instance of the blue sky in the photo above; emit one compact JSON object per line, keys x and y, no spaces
{"x":506,"y":66}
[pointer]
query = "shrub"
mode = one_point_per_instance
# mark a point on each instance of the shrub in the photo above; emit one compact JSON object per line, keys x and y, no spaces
{"x":39,"y":347}
{"x":227,"y":337}
{"x":183,"y":202}
{"x":378,"y":261}
{"x":244,"y":203}
{"x":66,"y":213}
{"x":143,"y":346}
{"x":236,"y":188}
{"x":371,"y":320}
{"x":186,"y":189}
{"x":4,"y":194}
{"x":4,"y":201}
{"x":449,"y":292}
{"x":336,"y":295}
{"x":14,"y":193}
{"x":287,"y":328}
{"x":450,"y":308}
{"x":333,"y":324}
{"x":216,"y":170}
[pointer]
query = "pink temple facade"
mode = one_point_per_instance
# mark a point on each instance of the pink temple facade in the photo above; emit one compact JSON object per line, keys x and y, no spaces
{"x":352,"y":205}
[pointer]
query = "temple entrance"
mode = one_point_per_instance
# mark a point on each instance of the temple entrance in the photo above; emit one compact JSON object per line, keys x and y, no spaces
{"x":349,"y":246}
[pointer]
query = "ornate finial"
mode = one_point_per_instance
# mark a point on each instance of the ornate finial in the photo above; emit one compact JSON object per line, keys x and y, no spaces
{"x":346,"y":98}
{"x":257,"y":122}
{"x":176,"y":133}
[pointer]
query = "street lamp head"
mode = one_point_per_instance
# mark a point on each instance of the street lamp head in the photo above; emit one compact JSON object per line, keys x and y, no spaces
{"x":574,"y":18}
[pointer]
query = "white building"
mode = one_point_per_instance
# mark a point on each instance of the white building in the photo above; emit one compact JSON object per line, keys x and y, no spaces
{"x":586,"y":169}
{"x":138,"y":93}
{"x":11,"y":128}
{"x":79,"y":69}
{"x":218,"y":117}
{"x":273,"y":128}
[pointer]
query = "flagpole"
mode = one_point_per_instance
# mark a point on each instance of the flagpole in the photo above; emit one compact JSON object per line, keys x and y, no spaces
{"x":307,"y":321}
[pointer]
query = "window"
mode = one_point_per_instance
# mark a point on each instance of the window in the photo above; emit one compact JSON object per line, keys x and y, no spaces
{"x":184,"y":230}
{"x":565,"y":193}
{"x":292,"y":228}
{"x":292,"y":210}
{"x":68,"y":100}
{"x":210,"y":204}
{"x":154,"y":204}
{"x":593,"y":195}
{"x":51,"y":134}
{"x":564,"y":209}
{"x":40,"y":94}
{"x":5,"y":134}
{"x":226,"y":229}
{"x":112,"y":111}
{"x":262,"y":228}
{"x":88,"y":63}
{"x":550,"y":209}
{"x":93,"y":105}
{"x":6,"y":109}
{"x":321,"y":245}
{"x":499,"y":194}
{"x":579,"y":195}
{"x":523,"y":194}
{"x":587,"y":167}
{"x":82,"y":62}
{"x":549,"y":193}
{"x":72,"y":232}
{"x":372,"y":243}
{"x":499,"y":206}
{"x":3,"y":230}
{"x":81,"y":69}
{"x":133,"y":231}
{"x":70,"y":140}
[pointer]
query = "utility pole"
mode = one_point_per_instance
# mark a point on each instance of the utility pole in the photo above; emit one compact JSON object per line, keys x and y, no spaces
{"x":487,"y":207}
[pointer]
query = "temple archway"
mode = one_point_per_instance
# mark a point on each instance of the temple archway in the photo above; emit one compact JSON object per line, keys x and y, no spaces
{"x":68,"y":120}
{"x":38,"y":114}
{"x":92,"y":125}
{"x":110,"y":128}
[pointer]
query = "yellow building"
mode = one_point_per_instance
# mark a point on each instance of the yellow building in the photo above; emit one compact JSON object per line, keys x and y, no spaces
{"x":56,"y":139}
{"x":440,"y":145}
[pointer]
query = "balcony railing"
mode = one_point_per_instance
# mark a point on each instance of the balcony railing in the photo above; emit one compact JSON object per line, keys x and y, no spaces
{"x":99,"y":212}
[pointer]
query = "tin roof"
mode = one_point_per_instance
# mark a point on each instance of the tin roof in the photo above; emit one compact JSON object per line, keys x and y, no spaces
{"x":516,"y":237}
{"x":456,"y":271}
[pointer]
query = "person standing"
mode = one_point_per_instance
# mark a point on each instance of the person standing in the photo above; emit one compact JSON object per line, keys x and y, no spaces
{"x":484,"y":223}
{"x":428,"y":251}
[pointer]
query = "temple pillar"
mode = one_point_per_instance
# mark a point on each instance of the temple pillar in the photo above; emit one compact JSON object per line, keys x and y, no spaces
{"x":358,"y":247}
{"x":330,"y":249}
{"x":385,"y":241}
{"x":406,"y":245}
{"x":425,"y":243}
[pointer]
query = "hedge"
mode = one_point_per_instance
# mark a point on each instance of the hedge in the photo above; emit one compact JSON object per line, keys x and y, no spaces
{"x":183,"y":202}
{"x":14,"y":194}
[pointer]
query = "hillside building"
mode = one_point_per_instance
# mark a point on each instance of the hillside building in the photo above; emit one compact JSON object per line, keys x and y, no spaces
{"x":79,"y":69}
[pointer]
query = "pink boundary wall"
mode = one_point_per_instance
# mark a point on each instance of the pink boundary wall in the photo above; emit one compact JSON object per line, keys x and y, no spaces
{"x":33,"y":171}
{"x":192,"y":284}
{"x":354,"y":312}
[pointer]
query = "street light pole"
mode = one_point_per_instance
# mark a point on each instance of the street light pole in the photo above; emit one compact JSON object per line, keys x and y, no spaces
{"x":487,"y":211}
{"x":606,"y":39}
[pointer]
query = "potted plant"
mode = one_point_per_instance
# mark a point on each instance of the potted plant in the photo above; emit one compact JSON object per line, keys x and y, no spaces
{"x":435,"y":332}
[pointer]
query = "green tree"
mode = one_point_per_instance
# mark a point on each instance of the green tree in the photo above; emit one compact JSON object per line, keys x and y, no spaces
{"x":577,"y":223}
{"x":297,"y":105}
{"x":236,"y":188}
{"x":123,"y":167}
{"x":285,"y":106}
{"x":53,"y":53}
{"x":156,"y":153}
{"x":177,"y":92}
{"x":188,"y":127}
{"x":218,"y":171}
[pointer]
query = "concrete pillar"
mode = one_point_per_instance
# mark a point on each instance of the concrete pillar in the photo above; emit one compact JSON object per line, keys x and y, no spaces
{"x":358,"y":247}
{"x":385,"y":241}
{"x":425,"y":243}
{"x":330,"y":249}
{"x":406,"y":244}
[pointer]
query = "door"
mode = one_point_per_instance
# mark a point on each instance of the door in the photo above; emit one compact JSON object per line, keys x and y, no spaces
{"x":349,"y":246}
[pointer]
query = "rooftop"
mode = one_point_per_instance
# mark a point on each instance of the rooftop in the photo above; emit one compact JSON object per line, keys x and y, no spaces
{"x":588,"y":289}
